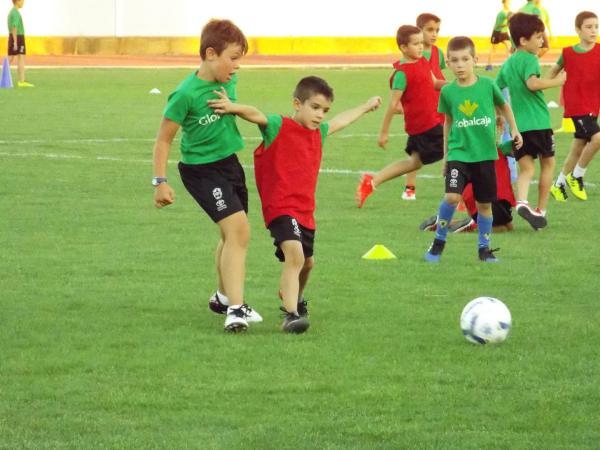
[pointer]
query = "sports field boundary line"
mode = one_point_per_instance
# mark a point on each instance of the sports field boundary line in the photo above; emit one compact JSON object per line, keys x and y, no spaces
{"x":330,"y":171}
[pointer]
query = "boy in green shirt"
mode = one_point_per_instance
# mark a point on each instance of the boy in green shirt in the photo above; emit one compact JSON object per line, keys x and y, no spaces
{"x":469,"y":104}
{"x":534,"y":7}
{"x":521,"y":75}
{"x":209,"y":167}
{"x":16,"y":41}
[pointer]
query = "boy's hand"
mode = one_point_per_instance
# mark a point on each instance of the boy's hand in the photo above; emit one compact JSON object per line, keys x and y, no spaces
{"x":383,"y":140}
{"x":373,"y":103}
{"x":221,"y":105}
{"x":562,"y":77}
{"x":517,"y":139}
{"x":163,"y":195}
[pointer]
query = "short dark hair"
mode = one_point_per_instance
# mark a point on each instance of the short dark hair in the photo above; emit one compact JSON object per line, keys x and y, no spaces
{"x":461,"y":43}
{"x":404,"y":33}
{"x":582,"y":16}
{"x":522,"y":25}
{"x":422,"y":19}
{"x":309,"y":86}
{"x":218,"y":34}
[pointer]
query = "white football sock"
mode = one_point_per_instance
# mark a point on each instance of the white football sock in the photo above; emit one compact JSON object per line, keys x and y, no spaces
{"x":579,"y":171}
{"x":223,"y":298}
{"x":561,"y":180}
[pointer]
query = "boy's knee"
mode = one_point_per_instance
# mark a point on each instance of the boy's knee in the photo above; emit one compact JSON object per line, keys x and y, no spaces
{"x":452,"y":199}
{"x":309,"y":263}
{"x":293,"y":253}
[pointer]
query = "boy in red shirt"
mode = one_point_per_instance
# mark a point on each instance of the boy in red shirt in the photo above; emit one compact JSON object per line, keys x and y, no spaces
{"x":430,"y":26}
{"x":414,"y":95}
{"x":582,"y":104}
{"x":286,"y":167}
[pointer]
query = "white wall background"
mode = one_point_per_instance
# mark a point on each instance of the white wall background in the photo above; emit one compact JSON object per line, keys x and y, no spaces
{"x":274,"y":17}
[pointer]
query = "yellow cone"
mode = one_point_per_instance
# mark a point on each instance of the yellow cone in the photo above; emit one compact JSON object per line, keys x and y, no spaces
{"x":567,"y":126}
{"x":379,"y":252}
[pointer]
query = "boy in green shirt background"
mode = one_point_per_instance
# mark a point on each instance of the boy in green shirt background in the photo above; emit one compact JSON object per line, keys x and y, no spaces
{"x":16,"y":41}
{"x":521,"y":75}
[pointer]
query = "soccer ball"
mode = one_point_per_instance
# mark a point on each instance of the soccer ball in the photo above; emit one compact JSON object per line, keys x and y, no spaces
{"x":485,"y":320}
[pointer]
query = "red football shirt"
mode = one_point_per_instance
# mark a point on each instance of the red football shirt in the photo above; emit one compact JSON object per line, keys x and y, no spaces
{"x":419,"y":99}
{"x":582,"y":88}
{"x":286,"y":171}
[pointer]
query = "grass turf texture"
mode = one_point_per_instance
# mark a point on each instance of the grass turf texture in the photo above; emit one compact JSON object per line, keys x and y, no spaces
{"x":106,"y":341}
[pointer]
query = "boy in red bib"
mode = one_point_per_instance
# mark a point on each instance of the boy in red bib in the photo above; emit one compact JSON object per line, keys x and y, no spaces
{"x":582,"y":104}
{"x":286,"y":166}
{"x":430,"y":26}
{"x":414,"y":95}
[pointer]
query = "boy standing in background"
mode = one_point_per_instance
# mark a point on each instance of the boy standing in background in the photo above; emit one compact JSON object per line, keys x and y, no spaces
{"x":469,"y":104}
{"x":16,"y":41}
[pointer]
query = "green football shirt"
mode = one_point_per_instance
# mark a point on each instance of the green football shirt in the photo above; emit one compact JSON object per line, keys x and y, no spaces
{"x":399,"y":81}
{"x":472,"y":108}
{"x":530,"y":8}
{"x":206,"y":136}
{"x":501,"y":24}
{"x":529,"y":107}
{"x":15,"y":20}
{"x":427,"y":55}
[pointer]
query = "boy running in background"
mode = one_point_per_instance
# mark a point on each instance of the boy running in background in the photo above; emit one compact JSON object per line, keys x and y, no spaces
{"x":500,"y":33}
{"x":521,"y":74}
{"x":582,"y":104}
{"x":414,"y":95}
{"x":469,"y":104}
{"x":209,"y":167}
{"x":430,"y":26}
{"x":286,"y":167}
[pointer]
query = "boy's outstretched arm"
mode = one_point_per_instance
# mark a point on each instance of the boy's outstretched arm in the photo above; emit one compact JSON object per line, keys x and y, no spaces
{"x":163,"y":193}
{"x":507,"y":113}
{"x":344,"y":119}
{"x":537,"y":84}
{"x":223,"y":105}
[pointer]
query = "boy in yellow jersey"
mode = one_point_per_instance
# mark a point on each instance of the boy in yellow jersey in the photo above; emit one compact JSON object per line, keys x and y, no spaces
{"x":16,"y":41}
{"x":209,"y":167}
{"x":500,"y":33}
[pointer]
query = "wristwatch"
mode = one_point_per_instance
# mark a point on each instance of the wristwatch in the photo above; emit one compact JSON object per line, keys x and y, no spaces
{"x":158,"y":180}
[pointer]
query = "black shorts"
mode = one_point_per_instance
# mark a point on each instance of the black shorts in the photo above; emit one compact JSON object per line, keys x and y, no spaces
{"x":481,"y":174}
{"x":536,"y":143}
{"x":429,"y":145}
{"x":218,"y":187}
{"x":585,"y":127}
{"x":498,"y":37}
{"x":502,"y":212}
{"x":20,"y":45}
{"x":286,"y":228}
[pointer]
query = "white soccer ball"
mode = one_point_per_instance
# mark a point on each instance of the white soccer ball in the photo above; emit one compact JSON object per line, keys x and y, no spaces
{"x":485,"y":320}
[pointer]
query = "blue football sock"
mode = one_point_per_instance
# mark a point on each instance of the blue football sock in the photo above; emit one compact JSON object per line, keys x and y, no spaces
{"x":444,"y":217}
{"x":484,"y":225}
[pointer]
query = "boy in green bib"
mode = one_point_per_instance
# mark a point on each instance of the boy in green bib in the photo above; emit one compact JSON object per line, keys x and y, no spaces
{"x":16,"y":41}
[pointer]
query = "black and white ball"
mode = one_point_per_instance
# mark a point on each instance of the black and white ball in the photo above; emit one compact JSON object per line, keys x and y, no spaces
{"x":485,"y":320}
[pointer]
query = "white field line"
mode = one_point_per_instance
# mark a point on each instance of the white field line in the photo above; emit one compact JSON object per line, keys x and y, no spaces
{"x":149,"y":161}
{"x":126,"y":140}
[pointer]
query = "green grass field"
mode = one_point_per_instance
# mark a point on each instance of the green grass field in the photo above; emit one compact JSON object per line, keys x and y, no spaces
{"x":106,"y":341}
